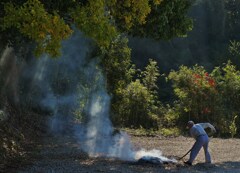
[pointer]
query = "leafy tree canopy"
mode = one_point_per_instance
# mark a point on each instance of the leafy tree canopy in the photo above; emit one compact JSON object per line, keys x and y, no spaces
{"x":47,"y":23}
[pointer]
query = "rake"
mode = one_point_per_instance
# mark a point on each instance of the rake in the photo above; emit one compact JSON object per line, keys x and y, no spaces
{"x":184,"y":155}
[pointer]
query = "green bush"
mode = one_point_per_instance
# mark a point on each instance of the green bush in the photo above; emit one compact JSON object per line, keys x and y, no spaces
{"x":170,"y":131}
{"x":233,"y":127}
{"x":203,"y":96}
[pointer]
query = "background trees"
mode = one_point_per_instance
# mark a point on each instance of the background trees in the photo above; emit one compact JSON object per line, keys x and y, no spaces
{"x":208,"y":97}
{"x":40,"y":27}
{"x":138,"y":105}
{"x":47,"y":23}
{"x":205,"y":92}
{"x":43,"y":25}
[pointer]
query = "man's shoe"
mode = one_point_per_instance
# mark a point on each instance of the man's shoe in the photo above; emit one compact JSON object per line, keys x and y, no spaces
{"x":188,"y":163}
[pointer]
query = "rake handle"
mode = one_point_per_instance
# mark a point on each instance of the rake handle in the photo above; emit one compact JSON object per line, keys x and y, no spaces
{"x":185,"y":154}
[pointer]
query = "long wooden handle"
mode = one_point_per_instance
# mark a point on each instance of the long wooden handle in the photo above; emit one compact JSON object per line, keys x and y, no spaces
{"x":185,"y":154}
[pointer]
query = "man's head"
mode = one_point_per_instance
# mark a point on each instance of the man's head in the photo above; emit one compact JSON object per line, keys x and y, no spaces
{"x":190,"y":124}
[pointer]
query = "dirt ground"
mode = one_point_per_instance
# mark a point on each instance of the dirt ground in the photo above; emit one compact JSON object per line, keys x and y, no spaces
{"x":62,"y":155}
{"x":225,"y":153}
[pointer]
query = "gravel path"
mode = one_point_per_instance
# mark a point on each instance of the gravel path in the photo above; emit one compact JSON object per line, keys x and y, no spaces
{"x":62,"y":154}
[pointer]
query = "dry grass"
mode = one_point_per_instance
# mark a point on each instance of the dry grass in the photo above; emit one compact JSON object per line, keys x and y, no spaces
{"x":225,"y":153}
{"x":61,"y":155}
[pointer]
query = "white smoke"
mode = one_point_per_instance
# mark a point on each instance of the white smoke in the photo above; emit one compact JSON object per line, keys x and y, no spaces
{"x":97,"y":136}
{"x":59,"y":85}
{"x":51,"y":84}
{"x":152,"y":153}
{"x":10,"y":70}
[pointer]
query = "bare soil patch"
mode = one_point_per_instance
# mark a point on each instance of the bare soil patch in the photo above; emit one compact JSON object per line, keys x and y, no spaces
{"x":225,"y":153}
{"x":64,"y":155}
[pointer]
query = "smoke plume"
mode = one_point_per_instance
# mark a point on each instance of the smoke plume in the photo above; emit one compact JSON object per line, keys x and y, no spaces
{"x":70,"y":83}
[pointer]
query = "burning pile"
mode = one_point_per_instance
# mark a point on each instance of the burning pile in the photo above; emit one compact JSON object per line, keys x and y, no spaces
{"x":154,"y":160}
{"x":153,"y":156}
{"x":97,"y":136}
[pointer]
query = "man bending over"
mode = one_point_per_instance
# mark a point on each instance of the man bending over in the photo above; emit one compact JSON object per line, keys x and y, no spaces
{"x":197,"y":131}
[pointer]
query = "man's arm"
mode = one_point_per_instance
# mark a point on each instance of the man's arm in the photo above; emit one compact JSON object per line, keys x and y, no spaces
{"x":206,"y":125}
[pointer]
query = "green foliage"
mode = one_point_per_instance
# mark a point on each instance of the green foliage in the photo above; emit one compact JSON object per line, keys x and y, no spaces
{"x":33,"y":21}
{"x":170,"y":131}
{"x":233,"y":126}
{"x":95,"y":22}
{"x":196,"y":90}
{"x":135,"y":105}
{"x":47,"y":22}
{"x":229,"y":86}
{"x":117,"y":66}
{"x":150,"y":76}
{"x":210,"y":97}
{"x":142,"y":131}
{"x":166,"y":20}
{"x":234,"y":48}
{"x":167,"y":132}
{"x":129,"y":12}
{"x":116,"y":63}
{"x":80,"y":112}
{"x":86,"y":88}
{"x":171,"y":116}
